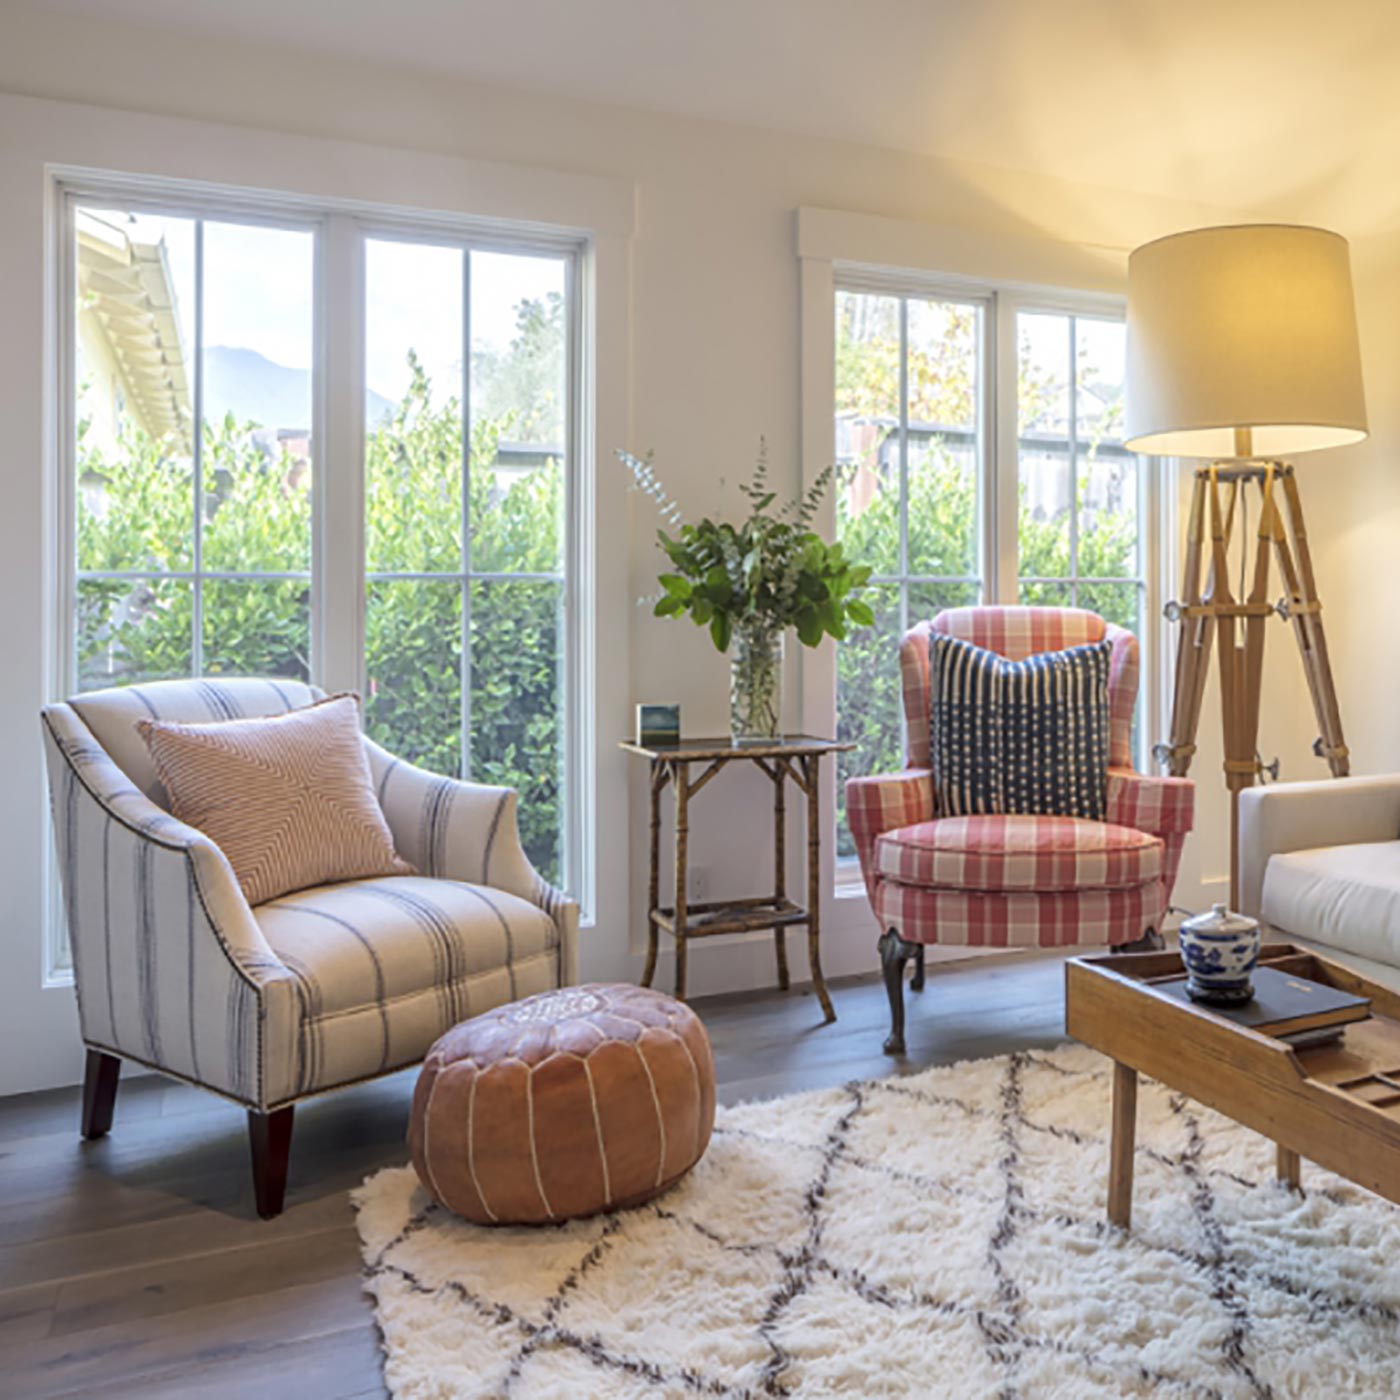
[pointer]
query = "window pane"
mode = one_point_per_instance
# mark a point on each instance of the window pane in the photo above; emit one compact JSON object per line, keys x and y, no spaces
{"x":867,"y":427}
{"x":1043,"y":428}
{"x":413,"y":407}
{"x":1047,"y":593}
{"x":129,"y":631}
{"x":1108,"y":475}
{"x":927,"y":600}
{"x":519,"y":406}
{"x":516,"y":705}
{"x":134,"y":385}
{"x":257,"y":627}
{"x":868,"y":702}
{"x":1101,"y":353}
{"x":257,"y":500}
{"x":413,"y":670}
{"x":1108,"y":500}
{"x":258,"y":345}
{"x":1043,"y":527}
{"x":1114,"y":602}
{"x":944,"y":445}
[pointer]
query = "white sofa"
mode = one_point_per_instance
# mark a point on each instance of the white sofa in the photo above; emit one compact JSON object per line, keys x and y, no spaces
{"x":1320,"y":866}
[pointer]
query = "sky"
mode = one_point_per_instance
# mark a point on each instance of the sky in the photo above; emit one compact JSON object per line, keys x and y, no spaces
{"x":258,"y":284}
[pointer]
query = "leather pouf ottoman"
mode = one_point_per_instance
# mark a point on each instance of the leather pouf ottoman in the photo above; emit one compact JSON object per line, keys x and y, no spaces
{"x":568,"y":1103}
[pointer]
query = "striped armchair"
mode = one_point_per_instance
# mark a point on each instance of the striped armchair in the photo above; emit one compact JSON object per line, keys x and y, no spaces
{"x":1014,"y":881}
{"x":311,"y":991}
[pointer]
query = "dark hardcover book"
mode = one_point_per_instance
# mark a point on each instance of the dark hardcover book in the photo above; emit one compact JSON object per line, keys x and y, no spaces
{"x":1284,"y":1003}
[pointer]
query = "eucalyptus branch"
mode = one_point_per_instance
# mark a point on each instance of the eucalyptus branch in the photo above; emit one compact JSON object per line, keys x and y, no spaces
{"x":770,"y":571}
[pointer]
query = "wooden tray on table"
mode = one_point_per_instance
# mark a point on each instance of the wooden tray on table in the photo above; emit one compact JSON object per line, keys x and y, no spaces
{"x":1337,"y":1104}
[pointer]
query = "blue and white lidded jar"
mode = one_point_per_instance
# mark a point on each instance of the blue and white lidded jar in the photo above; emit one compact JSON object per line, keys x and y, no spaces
{"x":1220,"y":950}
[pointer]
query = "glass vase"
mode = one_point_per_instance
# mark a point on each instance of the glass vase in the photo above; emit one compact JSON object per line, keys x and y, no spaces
{"x":755,"y":683}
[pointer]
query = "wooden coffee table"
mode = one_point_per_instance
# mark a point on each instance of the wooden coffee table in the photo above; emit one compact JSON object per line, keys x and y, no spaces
{"x":1337,"y":1105}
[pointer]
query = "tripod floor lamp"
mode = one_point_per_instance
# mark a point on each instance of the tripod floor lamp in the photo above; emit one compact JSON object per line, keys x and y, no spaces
{"x":1242,"y":349}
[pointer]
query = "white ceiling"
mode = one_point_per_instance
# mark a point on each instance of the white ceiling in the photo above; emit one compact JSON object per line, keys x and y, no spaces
{"x":1287,"y":103}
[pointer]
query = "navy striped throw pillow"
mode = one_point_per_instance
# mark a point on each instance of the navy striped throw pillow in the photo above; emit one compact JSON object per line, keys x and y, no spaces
{"x":1018,"y":736}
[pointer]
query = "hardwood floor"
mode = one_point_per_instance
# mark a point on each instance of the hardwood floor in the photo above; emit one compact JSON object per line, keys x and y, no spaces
{"x":135,"y":1265}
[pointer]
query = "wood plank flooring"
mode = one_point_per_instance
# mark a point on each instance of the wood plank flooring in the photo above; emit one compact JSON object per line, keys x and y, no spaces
{"x":135,"y":1266}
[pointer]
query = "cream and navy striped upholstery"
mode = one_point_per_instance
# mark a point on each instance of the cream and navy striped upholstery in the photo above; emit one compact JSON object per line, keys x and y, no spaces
{"x":311,"y":990}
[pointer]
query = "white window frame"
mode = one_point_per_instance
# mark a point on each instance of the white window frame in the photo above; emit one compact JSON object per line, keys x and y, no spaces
{"x":848,"y":252}
{"x":340,"y":230}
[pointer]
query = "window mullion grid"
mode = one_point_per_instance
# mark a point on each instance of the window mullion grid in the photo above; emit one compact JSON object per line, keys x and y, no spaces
{"x":1073,"y":461}
{"x":465,"y":669}
{"x":197,"y":456}
{"x":1003,"y":464}
{"x":903,"y":465}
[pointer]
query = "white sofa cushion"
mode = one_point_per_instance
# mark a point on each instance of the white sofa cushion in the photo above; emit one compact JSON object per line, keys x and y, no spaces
{"x":1346,"y":897}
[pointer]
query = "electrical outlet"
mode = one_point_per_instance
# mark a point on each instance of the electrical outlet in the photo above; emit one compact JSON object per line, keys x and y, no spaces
{"x":699,"y":884}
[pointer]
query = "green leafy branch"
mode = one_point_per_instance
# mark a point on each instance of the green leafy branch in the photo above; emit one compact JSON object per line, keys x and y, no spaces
{"x":770,"y":572}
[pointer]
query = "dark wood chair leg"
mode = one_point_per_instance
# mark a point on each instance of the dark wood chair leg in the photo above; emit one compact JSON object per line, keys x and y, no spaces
{"x":894,"y":953}
{"x":270,"y":1136}
{"x":99,"y":1092}
{"x":916,"y":982}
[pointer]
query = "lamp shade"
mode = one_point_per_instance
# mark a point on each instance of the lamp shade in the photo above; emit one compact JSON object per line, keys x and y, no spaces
{"x":1250,"y":326}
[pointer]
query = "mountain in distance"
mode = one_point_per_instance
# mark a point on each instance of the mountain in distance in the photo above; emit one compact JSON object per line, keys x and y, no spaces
{"x":258,"y":390}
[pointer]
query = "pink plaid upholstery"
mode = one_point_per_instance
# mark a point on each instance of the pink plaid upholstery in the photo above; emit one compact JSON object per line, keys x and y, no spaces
{"x":1004,"y":888}
{"x":1030,"y":919}
{"x":1018,"y":853}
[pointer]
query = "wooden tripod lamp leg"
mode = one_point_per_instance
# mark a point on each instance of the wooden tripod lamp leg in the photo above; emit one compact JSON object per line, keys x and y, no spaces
{"x":1196,"y":634}
{"x":1283,"y":534}
{"x":1305,"y":613}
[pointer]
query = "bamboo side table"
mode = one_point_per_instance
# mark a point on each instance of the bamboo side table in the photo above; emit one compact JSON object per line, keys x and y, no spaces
{"x":793,"y":757}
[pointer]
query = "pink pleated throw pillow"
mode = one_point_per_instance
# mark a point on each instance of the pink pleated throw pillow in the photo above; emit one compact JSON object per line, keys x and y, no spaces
{"x":287,"y":798}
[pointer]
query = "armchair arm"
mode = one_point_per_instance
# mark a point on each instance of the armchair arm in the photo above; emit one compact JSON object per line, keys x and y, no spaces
{"x":170,"y":966}
{"x":882,"y":803}
{"x":468,"y":831}
{"x":1305,"y":816}
{"x":1163,"y":806}
{"x":1166,"y":807}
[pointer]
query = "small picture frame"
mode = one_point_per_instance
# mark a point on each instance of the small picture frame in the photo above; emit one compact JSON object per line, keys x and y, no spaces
{"x":658,"y":724}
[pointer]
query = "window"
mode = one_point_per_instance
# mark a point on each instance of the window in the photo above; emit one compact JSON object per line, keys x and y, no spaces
{"x":919,"y":466}
{"x":193,"y":447}
{"x":1077,"y":522}
{"x":203,"y":383}
{"x":464,"y":519}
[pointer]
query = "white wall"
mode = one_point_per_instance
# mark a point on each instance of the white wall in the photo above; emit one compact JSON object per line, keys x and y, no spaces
{"x":713,"y":364}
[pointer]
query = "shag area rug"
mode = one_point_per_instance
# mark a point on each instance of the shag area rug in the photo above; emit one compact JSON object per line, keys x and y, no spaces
{"x":936,"y":1235}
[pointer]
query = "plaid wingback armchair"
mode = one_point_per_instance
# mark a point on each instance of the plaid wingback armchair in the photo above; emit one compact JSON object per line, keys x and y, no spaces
{"x":310,"y":991}
{"x":1014,"y":881}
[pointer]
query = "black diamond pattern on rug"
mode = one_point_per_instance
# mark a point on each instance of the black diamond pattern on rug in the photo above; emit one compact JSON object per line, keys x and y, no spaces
{"x":939,"y":1235}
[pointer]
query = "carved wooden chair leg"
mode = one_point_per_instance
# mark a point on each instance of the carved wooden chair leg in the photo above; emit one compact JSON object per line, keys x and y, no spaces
{"x":99,"y":1092}
{"x":270,"y":1137}
{"x":916,"y":982}
{"x":894,"y":953}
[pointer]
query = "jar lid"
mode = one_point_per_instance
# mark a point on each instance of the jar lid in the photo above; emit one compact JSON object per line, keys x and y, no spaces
{"x":1221,"y":919}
